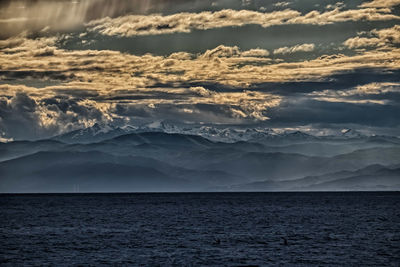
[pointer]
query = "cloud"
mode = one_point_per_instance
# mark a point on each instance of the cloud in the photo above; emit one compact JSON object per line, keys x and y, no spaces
{"x":5,"y":140}
{"x":48,"y":86}
{"x":222,"y":51}
{"x":246,"y":2}
{"x":376,"y":88}
{"x":246,"y":104}
{"x":256,"y":52}
{"x":357,"y":42}
{"x":35,"y":16}
{"x":381,"y":3}
{"x":18,"y":16}
{"x":185,"y":22}
{"x":21,"y":43}
{"x":234,"y":51}
{"x":381,"y":93}
{"x":18,"y":116}
{"x":336,"y":5}
{"x":134,"y":25}
{"x":282,"y":4}
{"x":338,"y":15}
{"x":294,"y":49}
{"x":220,"y":85}
{"x":225,"y":65}
{"x":27,"y":114}
{"x":201,"y":91}
{"x":381,"y":38}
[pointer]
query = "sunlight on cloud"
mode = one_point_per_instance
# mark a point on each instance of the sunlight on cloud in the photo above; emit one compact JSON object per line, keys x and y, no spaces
{"x":362,"y":94}
{"x":294,"y":49}
{"x":382,"y":38}
{"x":133,"y":25}
{"x":185,"y":22}
{"x":381,"y":3}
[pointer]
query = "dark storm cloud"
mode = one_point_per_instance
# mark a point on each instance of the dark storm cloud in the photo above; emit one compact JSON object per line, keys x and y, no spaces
{"x":26,"y":117}
{"x":18,"y":116}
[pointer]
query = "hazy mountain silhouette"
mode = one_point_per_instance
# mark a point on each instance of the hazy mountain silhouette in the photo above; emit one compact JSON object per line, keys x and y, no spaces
{"x":373,"y":177}
{"x":160,"y":161}
{"x":97,"y":171}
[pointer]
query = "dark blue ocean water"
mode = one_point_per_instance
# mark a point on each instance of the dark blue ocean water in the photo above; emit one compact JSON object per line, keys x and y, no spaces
{"x":232,"y":229}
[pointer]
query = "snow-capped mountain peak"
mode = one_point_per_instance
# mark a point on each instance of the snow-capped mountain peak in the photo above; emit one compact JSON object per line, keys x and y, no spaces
{"x":99,"y":132}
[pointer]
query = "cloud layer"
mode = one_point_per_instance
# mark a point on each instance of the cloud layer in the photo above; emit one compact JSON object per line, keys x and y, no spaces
{"x":185,"y":22}
{"x":384,"y":38}
{"x":48,"y":86}
{"x":294,"y":49}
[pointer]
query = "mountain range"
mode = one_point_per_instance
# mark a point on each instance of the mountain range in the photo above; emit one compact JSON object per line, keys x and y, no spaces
{"x":99,"y":132}
{"x":163,"y":157}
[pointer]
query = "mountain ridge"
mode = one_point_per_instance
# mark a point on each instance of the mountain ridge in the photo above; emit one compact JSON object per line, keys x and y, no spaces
{"x":103,"y":132}
{"x":190,"y":162}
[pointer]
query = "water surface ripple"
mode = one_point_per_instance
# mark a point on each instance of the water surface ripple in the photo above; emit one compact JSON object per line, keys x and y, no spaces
{"x":220,"y":229}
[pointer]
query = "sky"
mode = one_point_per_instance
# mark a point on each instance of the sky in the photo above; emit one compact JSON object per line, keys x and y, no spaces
{"x":316,"y":66}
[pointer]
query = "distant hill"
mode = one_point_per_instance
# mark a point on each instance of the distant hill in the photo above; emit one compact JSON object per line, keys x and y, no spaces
{"x":373,"y":177}
{"x":96,"y":171}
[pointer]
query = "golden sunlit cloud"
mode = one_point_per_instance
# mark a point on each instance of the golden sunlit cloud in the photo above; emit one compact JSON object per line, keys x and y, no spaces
{"x":132,"y":25}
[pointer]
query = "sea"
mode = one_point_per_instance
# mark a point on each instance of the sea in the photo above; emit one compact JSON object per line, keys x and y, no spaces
{"x":201,"y":229}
